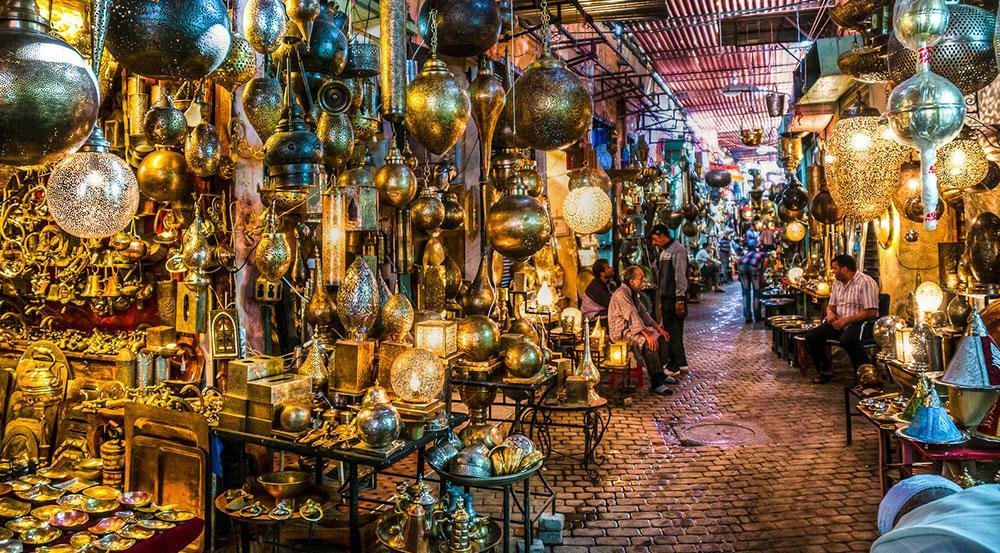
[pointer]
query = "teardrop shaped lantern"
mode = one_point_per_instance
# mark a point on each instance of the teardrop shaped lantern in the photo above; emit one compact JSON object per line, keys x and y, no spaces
{"x":337,"y":134}
{"x":262,"y":105}
{"x":203,"y":150}
{"x":488,"y":101}
{"x":480,"y":296}
{"x":454,"y":212}
{"x":264,"y":24}
{"x":169,"y":39}
{"x":358,"y":299}
{"x":437,"y":107}
{"x":49,"y":98}
{"x":239,"y":66}
{"x":552,"y":106}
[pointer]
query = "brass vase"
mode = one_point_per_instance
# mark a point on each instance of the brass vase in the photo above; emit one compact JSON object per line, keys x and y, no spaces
{"x":164,"y":176}
{"x":518,"y":225}
{"x":202,"y":150}
{"x":553,"y":107}
{"x":480,"y":296}
{"x":50,"y":95}
{"x":487,"y":96}
{"x":169,"y":39}
{"x":392,"y":62}
{"x":337,"y":134}
{"x":454,"y":211}
{"x":273,"y":256}
{"x":478,"y":337}
{"x":264,"y":24}
{"x":395,"y":181}
{"x":321,"y":311}
{"x":397,"y":318}
{"x":358,"y":299}
{"x":437,"y":107}
{"x":262,"y":105}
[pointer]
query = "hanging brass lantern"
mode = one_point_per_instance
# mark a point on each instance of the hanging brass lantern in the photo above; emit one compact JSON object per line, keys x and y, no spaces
{"x":866,"y":62}
{"x":239,"y":66}
{"x":718,"y":178}
{"x":358,"y":299}
{"x":392,"y":43}
{"x":293,"y":154}
{"x":262,"y":105}
{"x":553,"y":107}
{"x":325,"y":55}
{"x":303,"y":14}
{"x":169,"y":39}
{"x":437,"y":107}
{"x":362,"y":60}
{"x":962,"y":164}
{"x":273,"y":256}
{"x":395,"y":181}
{"x":823,"y":208}
{"x":49,"y":97}
{"x":365,"y":118}
{"x":337,"y":134}
{"x":164,"y":124}
{"x":454,"y":211}
{"x":907,"y":196}
{"x":164,"y":176}
{"x":487,"y":97}
{"x":264,"y":24}
{"x":862,"y":163}
{"x":202,"y":150}
{"x":518,"y":225}
{"x":427,"y":211}
{"x":465,"y":28}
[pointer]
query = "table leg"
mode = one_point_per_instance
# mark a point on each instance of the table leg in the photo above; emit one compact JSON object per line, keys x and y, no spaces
{"x":506,"y":518}
{"x":528,"y":538}
{"x":352,"y":471}
{"x":420,"y":462}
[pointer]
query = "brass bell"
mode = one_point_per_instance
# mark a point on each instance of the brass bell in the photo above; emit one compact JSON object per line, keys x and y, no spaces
{"x":93,"y":287}
{"x":111,"y":287}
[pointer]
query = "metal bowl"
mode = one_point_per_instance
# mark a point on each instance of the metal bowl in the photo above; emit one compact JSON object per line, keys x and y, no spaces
{"x":471,"y":471}
{"x":69,"y":518}
{"x":281,"y":485}
{"x":101,"y":492}
{"x":135,"y":499}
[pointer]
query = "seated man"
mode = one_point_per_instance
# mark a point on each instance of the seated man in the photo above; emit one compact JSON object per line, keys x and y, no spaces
{"x":597,"y":297}
{"x":710,"y":267}
{"x":629,"y":320}
{"x":853,"y":304}
{"x":928,"y":513}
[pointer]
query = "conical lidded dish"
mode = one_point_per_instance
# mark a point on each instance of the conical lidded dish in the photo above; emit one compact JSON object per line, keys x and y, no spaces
{"x":976,"y":361}
{"x":552,"y":106}
{"x":48,"y":92}
{"x":437,"y":107}
{"x":932,"y":425}
{"x":920,"y":392}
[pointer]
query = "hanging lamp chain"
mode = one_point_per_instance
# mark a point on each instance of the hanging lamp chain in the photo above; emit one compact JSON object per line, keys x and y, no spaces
{"x":434,"y":33}
{"x":547,"y":32}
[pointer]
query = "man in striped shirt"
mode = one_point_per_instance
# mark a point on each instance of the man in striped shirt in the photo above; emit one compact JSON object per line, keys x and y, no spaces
{"x":853,"y":304}
{"x":725,"y":247}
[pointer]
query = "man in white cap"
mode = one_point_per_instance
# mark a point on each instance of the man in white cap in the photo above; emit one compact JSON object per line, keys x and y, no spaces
{"x":928,"y":513}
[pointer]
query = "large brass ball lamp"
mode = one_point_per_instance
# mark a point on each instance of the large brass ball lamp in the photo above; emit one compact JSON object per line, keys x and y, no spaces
{"x":552,"y":106}
{"x":862,"y":163}
{"x":437,"y":107}
{"x":465,"y":28}
{"x":264,"y":24}
{"x":427,"y":211}
{"x":169,"y":39}
{"x":517,"y":225}
{"x":48,"y":93}
{"x":478,"y":337}
{"x":586,"y":209}
{"x":962,"y":163}
{"x":919,"y":23}
{"x":92,"y":193}
{"x":395,"y":181}
{"x":164,"y":176}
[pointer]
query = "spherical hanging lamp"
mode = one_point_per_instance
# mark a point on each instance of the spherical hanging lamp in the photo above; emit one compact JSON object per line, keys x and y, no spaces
{"x":92,"y":193}
{"x":962,"y":163}
{"x":907,"y":197}
{"x":863,"y":163}
{"x":587,"y":209}
{"x":794,"y":231}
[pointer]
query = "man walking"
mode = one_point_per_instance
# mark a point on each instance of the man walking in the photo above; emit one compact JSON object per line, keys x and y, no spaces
{"x":853,"y":304}
{"x":628,"y":320}
{"x":725,"y":247}
{"x":750,"y":266}
{"x":671,"y":292}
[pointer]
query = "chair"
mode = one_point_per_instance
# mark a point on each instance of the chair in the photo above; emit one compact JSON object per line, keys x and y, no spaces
{"x":868,"y":343}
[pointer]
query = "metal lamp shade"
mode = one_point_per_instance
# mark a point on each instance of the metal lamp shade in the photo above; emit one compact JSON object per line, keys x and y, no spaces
{"x":961,"y":163}
{"x":863,"y":170}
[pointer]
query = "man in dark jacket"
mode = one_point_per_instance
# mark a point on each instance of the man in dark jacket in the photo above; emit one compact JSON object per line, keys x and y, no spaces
{"x":597,"y":297}
{"x":671,"y":288}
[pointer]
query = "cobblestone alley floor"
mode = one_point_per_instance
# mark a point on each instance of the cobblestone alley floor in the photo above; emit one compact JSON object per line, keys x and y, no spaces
{"x":797,"y":487}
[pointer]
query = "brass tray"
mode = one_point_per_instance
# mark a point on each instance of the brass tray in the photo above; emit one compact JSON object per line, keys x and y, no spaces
{"x":12,"y":508}
{"x":490,"y":542}
{"x":491,"y":481}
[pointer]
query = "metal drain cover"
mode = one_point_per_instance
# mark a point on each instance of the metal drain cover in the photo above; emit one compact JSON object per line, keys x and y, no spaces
{"x":718,"y":433}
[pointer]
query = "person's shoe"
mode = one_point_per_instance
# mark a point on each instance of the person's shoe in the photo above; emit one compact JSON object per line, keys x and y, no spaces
{"x":670,"y":373}
{"x":662,"y":390}
{"x":670,"y":380}
{"x":823,"y":379}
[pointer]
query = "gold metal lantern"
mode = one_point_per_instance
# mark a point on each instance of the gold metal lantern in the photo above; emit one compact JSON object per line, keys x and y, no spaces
{"x":164,"y":176}
{"x":962,"y":163}
{"x":358,"y":299}
{"x":518,"y":225}
{"x":264,"y":24}
{"x":552,"y":106}
{"x":487,"y":98}
{"x":587,"y":209}
{"x":395,"y":181}
{"x":862,"y":163}
{"x":437,"y":107}
{"x":337,"y":134}
{"x":397,"y":317}
{"x":273,"y":255}
{"x":239,"y":66}
{"x":392,"y":62}
{"x":417,"y":376}
{"x":262,"y":105}
{"x":203,"y":150}
{"x":439,"y":337}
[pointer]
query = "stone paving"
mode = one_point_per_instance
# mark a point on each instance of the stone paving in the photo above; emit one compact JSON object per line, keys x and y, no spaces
{"x":796,"y":488}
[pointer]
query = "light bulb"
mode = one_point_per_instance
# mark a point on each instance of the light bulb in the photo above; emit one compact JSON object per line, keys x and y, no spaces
{"x":861,"y":142}
{"x":545,"y":298}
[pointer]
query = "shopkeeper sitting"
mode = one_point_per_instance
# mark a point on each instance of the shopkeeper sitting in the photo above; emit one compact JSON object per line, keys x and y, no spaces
{"x":853,"y":304}
{"x":629,"y":320}
{"x":597,"y":297}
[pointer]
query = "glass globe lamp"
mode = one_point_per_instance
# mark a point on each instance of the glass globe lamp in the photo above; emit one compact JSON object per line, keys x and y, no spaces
{"x":545,"y":298}
{"x":92,"y":193}
{"x":571,"y":320}
{"x":417,"y":376}
{"x":961,"y":163}
{"x":884,"y":333}
{"x":587,"y":209}
{"x":928,"y":297}
{"x":863,"y":163}
{"x":795,"y":231}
